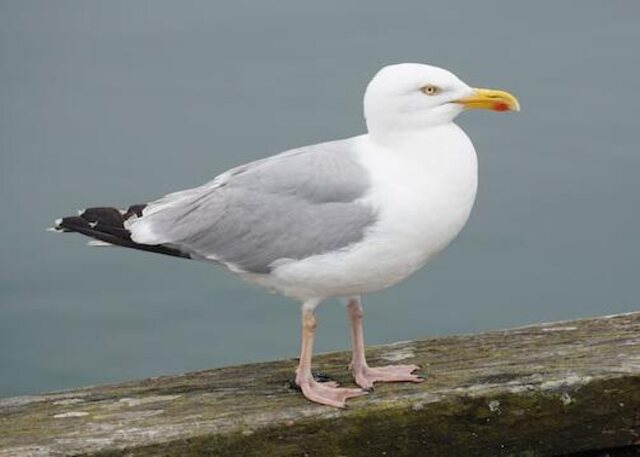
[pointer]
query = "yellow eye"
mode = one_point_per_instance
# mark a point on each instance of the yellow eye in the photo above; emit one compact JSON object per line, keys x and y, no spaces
{"x":430,"y":89}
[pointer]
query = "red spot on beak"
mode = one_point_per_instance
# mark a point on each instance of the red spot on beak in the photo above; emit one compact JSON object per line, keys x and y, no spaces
{"x":500,"y":106}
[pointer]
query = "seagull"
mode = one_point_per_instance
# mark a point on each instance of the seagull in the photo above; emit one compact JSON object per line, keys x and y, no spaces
{"x":338,"y":219}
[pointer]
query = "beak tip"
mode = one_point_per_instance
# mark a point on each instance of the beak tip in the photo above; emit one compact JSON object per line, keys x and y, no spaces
{"x":491,"y":99}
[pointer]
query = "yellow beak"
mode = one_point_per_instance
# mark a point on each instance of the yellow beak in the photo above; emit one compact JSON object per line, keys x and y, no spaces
{"x":495,"y":100}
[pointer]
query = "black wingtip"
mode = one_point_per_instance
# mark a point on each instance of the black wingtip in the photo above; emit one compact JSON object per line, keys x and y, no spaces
{"x":107,"y":224}
{"x":135,"y":210}
{"x":109,"y":217}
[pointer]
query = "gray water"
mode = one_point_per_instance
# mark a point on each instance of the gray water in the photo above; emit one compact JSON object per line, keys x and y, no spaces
{"x":120,"y":102}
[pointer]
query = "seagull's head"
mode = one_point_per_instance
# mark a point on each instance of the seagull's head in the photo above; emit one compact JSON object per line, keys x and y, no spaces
{"x":416,"y":96}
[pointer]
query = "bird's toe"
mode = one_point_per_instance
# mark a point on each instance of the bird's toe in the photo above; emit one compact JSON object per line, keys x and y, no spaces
{"x":366,"y":376}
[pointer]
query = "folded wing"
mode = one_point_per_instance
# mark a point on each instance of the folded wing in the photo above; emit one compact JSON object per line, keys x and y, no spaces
{"x":291,"y":206}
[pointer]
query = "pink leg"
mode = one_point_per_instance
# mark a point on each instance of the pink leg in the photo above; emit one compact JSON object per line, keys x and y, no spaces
{"x":327,"y":393}
{"x":365,"y":375}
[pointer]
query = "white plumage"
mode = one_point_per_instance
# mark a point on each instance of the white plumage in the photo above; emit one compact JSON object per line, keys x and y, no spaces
{"x":422,"y":193}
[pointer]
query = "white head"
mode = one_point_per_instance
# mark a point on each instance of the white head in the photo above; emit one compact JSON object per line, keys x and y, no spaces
{"x":412,"y":96}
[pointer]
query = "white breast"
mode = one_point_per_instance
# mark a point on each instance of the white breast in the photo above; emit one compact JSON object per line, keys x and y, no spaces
{"x":423,"y":190}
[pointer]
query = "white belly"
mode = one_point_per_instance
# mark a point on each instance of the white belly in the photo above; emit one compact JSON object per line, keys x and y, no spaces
{"x":423,"y":198}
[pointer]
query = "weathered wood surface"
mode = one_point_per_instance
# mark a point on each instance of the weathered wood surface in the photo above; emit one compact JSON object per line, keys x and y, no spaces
{"x":543,"y":390}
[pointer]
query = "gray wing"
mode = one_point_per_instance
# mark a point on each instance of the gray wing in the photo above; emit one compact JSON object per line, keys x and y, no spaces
{"x":290,"y":206}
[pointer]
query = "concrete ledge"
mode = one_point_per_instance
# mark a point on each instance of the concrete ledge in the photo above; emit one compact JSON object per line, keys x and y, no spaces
{"x":544,"y":390}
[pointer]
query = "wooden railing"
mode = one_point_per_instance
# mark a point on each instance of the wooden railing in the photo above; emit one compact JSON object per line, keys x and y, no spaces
{"x":544,"y":390}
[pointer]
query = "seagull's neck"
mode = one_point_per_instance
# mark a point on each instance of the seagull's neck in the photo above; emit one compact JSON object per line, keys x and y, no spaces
{"x":418,"y":139}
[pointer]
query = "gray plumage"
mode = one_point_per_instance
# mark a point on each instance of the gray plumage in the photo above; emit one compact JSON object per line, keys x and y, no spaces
{"x":293,"y":205}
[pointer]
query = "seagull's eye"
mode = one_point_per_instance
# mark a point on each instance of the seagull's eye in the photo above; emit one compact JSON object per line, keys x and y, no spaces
{"x":430,"y":89}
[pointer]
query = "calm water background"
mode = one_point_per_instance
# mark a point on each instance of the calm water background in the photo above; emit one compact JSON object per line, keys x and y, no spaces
{"x":120,"y":102}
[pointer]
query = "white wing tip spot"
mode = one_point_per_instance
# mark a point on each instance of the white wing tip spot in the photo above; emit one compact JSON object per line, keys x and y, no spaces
{"x":98,"y":243}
